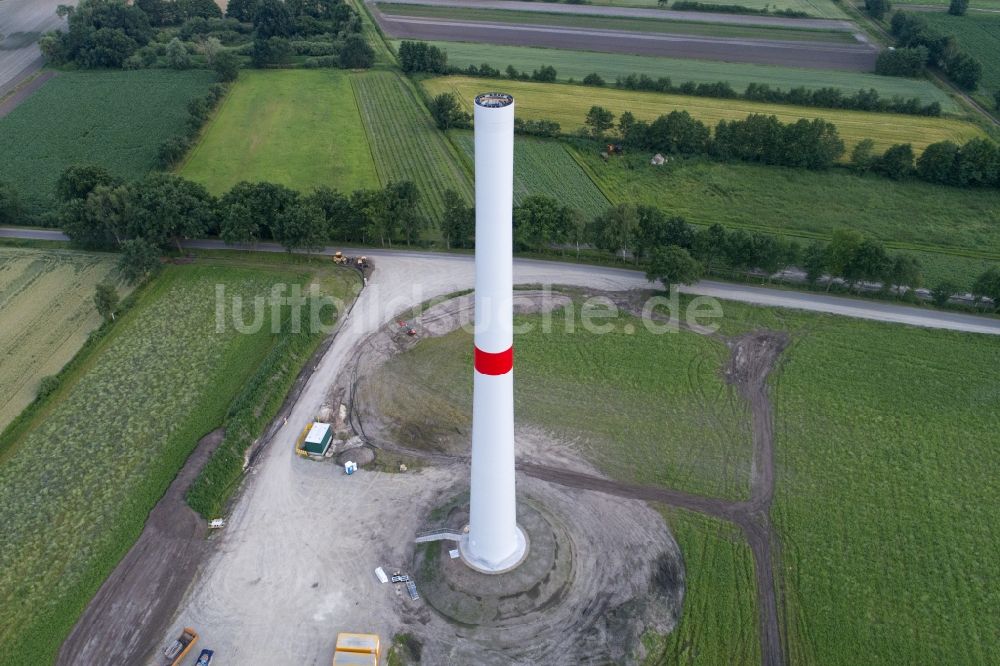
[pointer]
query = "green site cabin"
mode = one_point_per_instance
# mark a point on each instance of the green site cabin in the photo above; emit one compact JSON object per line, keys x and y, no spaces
{"x":318,"y":439}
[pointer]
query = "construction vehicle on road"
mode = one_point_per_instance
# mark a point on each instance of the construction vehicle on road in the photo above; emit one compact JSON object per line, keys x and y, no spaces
{"x":357,"y":650}
{"x":179,"y":649}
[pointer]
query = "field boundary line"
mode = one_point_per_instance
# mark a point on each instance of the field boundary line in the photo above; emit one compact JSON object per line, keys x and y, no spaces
{"x":205,"y":129}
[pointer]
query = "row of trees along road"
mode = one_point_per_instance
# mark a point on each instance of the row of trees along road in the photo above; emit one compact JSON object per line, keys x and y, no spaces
{"x":675,"y":252}
{"x":146,"y":218}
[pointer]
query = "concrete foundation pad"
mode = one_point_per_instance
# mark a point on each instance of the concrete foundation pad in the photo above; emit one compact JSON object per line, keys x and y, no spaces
{"x":509,"y":563}
{"x":537,"y":577}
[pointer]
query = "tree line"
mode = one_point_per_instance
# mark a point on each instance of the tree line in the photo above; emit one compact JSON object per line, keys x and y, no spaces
{"x":829,"y":98}
{"x":173,"y":150}
{"x":913,"y":31}
{"x":145,"y":218}
{"x":811,"y":144}
{"x":676,"y":252}
{"x":132,"y":35}
{"x":422,"y":57}
{"x":973,"y":164}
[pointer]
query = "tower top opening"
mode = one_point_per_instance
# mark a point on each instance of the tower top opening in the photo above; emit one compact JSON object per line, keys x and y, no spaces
{"x":494,"y":100}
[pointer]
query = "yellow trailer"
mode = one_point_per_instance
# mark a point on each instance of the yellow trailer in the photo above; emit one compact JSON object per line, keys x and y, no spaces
{"x":354,"y":659}
{"x":354,"y":649}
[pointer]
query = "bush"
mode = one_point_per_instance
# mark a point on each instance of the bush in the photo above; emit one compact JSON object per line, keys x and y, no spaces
{"x":593,"y":80}
{"x":314,"y":48}
{"x":322,"y":61}
{"x":545,"y":74}
{"x":686,"y":5}
{"x":422,"y":57}
{"x":47,"y":387}
{"x":902,"y":61}
{"x":226,"y":66}
{"x":356,"y":53}
{"x":177,"y":55}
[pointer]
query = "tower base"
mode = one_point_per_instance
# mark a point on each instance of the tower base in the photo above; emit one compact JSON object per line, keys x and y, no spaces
{"x":503,"y":566}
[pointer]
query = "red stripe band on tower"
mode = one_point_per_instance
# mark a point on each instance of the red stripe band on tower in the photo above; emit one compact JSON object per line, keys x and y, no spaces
{"x":494,"y":364}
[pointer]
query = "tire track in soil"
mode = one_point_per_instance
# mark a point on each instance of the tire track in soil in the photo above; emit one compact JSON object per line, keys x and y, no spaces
{"x":752,"y":358}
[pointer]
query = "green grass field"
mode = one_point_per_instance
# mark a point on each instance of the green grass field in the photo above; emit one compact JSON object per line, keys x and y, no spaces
{"x":546,"y":168}
{"x":78,"y":479}
{"x":799,"y":201}
{"x":621,"y":23}
{"x":885,"y":474}
{"x":718,"y":623}
{"x":908,"y":215}
{"x":568,"y":105}
{"x":115,"y":119}
{"x":886,"y":467}
{"x":672,"y":421}
{"x":405,"y":143}
{"x":300,"y":128}
{"x":978,"y":33}
{"x":577,"y":64}
{"x":46,"y":312}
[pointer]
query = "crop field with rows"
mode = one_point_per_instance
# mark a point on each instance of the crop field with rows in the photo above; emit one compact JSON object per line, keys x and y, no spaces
{"x":951,"y":228}
{"x":116,"y":119}
{"x":718,"y":623}
{"x":77,"y":483}
{"x":568,"y":105}
{"x":978,"y":33}
{"x":46,"y":311}
{"x":545,"y":168}
{"x":405,"y":143}
{"x":610,"y":66}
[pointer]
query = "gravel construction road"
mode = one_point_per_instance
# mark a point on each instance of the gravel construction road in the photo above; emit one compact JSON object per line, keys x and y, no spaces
{"x":294,"y":564}
{"x":621,"y":278}
{"x":22,"y":22}
{"x":816,"y":55}
{"x":637,"y":12}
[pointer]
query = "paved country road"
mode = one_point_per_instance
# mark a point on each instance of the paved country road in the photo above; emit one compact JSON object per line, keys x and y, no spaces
{"x":22,"y":22}
{"x":816,"y":55}
{"x":638,"y":12}
{"x":563,"y":273}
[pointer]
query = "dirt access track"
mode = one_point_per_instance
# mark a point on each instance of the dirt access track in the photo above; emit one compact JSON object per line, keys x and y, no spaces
{"x":816,"y":55}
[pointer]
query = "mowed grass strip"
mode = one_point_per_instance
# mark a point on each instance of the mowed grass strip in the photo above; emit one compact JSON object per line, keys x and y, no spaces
{"x":664,"y":26}
{"x":405,"y":143}
{"x":77,"y":484}
{"x":718,"y":620}
{"x":568,"y":105}
{"x":546,"y":168}
{"x":643,"y":407}
{"x":46,"y":312}
{"x":300,"y":128}
{"x":886,"y":494}
{"x":116,"y":119}
{"x":578,"y":64}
